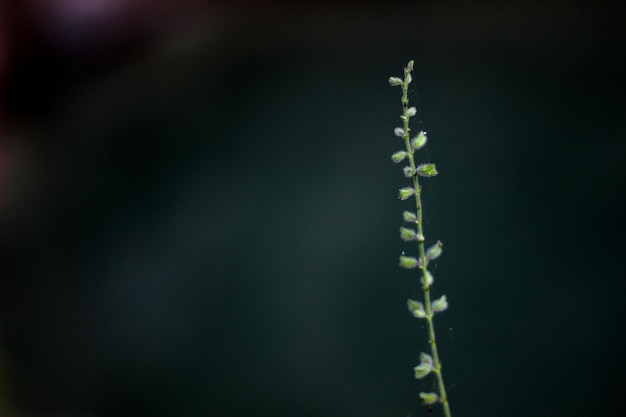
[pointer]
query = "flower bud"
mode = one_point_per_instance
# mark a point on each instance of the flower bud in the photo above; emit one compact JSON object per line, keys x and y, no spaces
{"x":395,"y":81}
{"x":419,"y":141}
{"x":427,"y":170}
{"x":426,"y":358}
{"x":427,"y":279}
{"x":408,"y":262}
{"x":407,"y":171}
{"x":428,"y":397}
{"x":417,"y":309}
{"x":399,"y":156}
{"x":409,"y":217}
{"x":411,"y":111}
{"x":407,"y":234}
{"x":399,"y":132}
{"x":434,"y":251}
{"x":440,"y":304}
{"x":406,"y":193}
{"x":422,"y":370}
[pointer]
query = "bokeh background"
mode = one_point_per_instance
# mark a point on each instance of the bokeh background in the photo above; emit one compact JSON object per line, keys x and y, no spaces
{"x":199,"y":215}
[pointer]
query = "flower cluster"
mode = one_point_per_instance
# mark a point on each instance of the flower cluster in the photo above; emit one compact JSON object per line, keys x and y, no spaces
{"x":426,"y":309}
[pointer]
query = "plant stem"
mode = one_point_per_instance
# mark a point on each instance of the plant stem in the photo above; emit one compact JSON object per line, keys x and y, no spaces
{"x":422,"y":251}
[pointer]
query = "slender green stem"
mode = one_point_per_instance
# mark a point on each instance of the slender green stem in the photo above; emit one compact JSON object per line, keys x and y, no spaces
{"x":422,"y":251}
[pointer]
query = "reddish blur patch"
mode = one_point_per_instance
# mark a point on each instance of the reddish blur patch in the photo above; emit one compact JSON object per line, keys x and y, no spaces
{"x":47,"y":46}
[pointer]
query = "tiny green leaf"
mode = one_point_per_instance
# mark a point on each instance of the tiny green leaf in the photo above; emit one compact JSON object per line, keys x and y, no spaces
{"x":419,"y":141}
{"x":399,"y":156}
{"x":434,"y":251}
{"x":406,"y":193}
{"x":409,"y":217}
{"x":428,"y":397}
{"x":408,"y":79}
{"x":440,"y":304}
{"x":409,"y":66}
{"x":427,"y":170}
{"x":395,"y":81}
{"x":422,"y":370}
{"x":408,"y":262}
{"x":407,"y":234}
{"x":417,"y":309}
{"x":399,"y":132}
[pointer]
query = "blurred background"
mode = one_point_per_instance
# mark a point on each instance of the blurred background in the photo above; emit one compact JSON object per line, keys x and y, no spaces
{"x":199,"y":214}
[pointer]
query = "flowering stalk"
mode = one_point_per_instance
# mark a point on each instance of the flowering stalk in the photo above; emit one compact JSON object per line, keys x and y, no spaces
{"x":429,"y":363}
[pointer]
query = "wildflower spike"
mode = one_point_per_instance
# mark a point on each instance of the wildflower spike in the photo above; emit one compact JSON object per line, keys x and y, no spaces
{"x":425,"y":308}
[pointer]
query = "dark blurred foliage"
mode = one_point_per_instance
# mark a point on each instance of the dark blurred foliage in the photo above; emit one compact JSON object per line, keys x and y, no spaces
{"x":199,"y":215}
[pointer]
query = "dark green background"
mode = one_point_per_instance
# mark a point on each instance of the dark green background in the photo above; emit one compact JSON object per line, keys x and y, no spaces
{"x":213,"y":230}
